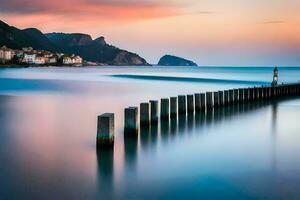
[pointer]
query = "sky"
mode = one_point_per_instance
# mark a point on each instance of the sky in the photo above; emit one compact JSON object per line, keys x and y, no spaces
{"x":209,"y":32}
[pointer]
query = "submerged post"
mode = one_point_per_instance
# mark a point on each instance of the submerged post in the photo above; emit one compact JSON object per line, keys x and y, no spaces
{"x":106,"y":130}
{"x":131,"y":121}
{"x":182,"y":105}
{"x":144,"y":114}
{"x":190,"y":103}
{"x":209,"y":101}
{"x":173,"y":107}
{"x":154,"y":111}
{"x":165,"y":108}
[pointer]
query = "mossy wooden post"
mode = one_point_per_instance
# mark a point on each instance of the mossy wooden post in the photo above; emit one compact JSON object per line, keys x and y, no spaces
{"x":241,"y":95}
{"x":165,"y":108}
{"x":221,"y":98}
{"x":190,"y":103}
{"x":173,"y":107}
{"x":231,"y":97}
{"x":197,"y":102}
{"x":182,"y":105}
{"x":153,"y":111}
{"x":226,"y":97}
{"x":216,"y":99}
{"x":106,"y":130}
{"x":144,"y":114}
{"x":209,"y":101}
{"x":131,"y":121}
{"x":202,"y":102}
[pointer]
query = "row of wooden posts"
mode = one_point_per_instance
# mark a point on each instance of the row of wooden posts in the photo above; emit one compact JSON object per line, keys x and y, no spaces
{"x":183,"y":105}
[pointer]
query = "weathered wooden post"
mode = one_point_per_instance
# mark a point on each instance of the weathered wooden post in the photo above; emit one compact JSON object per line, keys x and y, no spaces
{"x":165,"y":108}
{"x":255,"y":92}
{"x":226,"y":97}
{"x":131,"y":121}
{"x":173,"y":107}
{"x":144,"y":114}
{"x":209,"y":101}
{"x":197,"y":102}
{"x":190,"y":103}
{"x":202,"y":102}
{"x":241,"y":95}
{"x":154,"y":111}
{"x":231,"y":97}
{"x":221,"y":98}
{"x":182,"y":105}
{"x":216,"y":99}
{"x":106,"y":130}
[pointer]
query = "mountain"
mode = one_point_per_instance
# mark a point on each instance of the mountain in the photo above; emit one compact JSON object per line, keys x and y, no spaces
{"x":76,"y":43}
{"x":169,"y":60}
{"x":15,"y":38}
{"x":94,"y":50}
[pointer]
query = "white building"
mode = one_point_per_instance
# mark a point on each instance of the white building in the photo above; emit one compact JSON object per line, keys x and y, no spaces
{"x":6,"y":54}
{"x":29,"y":58}
{"x":72,"y":60}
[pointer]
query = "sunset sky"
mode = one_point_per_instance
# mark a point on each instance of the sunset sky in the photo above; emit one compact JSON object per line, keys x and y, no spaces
{"x":214,"y":32}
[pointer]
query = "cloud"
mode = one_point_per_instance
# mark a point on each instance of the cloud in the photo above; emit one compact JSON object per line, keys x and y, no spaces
{"x":274,"y":22}
{"x":122,"y":9}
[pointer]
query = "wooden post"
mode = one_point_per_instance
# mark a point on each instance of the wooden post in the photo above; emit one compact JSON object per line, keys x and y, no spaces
{"x":221,"y":98}
{"x":197,"y":102}
{"x":173,"y":107}
{"x":216,"y":99}
{"x":235,"y":96}
{"x":154,"y":111}
{"x":106,"y":130}
{"x":182,"y":105}
{"x":209,"y":101}
{"x":164,"y":108}
{"x":226,"y":97}
{"x":231,"y":100}
{"x":144,"y":114}
{"x":241,"y":95}
{"x":190,"y":103}
{"x":202,"y":102}
{"x":131,"y":121}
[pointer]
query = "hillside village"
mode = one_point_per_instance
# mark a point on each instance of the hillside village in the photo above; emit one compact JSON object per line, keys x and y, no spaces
{"x":30,"y":57}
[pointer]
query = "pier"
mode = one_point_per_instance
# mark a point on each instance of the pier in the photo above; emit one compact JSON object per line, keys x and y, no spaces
{"x":183,"y":106}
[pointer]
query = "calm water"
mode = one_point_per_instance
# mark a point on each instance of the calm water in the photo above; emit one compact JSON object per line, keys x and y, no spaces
{"x":48,"y":130}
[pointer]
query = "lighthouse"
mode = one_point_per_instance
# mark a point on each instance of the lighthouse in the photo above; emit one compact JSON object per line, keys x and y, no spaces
{"x":275,"y":77}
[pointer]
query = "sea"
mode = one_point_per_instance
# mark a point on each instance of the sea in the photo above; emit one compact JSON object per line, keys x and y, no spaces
{"x":48,"y":126}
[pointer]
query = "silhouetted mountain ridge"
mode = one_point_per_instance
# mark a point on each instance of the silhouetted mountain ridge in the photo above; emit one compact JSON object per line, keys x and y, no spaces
{"x":70,"y":43}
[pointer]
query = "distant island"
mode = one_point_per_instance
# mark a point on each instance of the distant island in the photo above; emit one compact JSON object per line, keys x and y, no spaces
{"x":33,"y":43}
{"x":169,"y":60}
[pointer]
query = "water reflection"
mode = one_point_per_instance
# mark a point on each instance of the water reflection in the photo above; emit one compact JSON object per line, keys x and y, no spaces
{"x":105,"y":168}
{"x":174,"y":128}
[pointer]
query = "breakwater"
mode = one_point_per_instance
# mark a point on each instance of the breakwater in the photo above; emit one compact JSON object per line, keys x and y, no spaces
{"x":147,"y":114}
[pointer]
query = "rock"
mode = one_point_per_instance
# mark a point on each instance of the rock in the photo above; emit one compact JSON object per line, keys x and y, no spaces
{"x":169,"y":60}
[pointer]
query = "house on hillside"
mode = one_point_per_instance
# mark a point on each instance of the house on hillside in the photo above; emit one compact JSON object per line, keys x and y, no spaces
{"x":6,"y":54}
{"x":29,"y":58}
{"x":72,"y":60}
